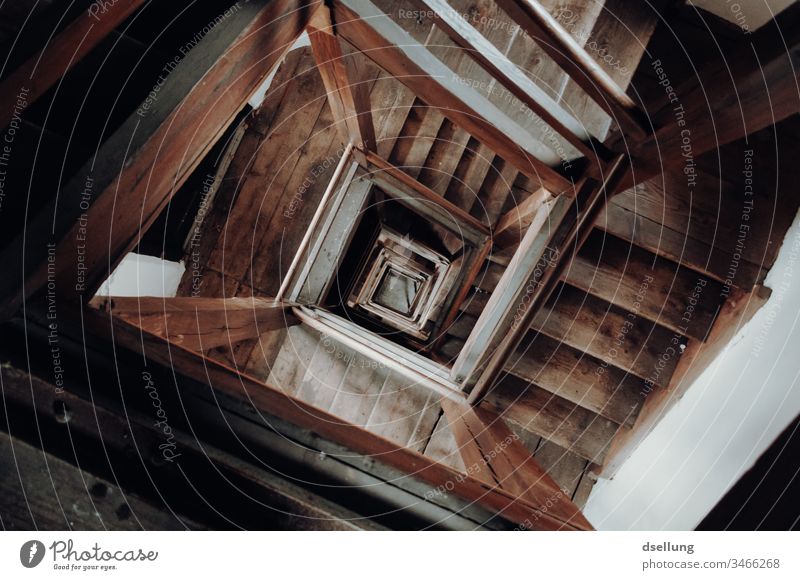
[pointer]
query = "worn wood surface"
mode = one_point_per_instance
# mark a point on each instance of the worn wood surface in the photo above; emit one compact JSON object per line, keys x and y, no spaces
{"x":372,"y":32}
{"x":578,"y":377}
{"x":609,"y":333}
{"x":666,"y":226}
{"x":627,"y":276}
{"x":578,"y":64}
{"x":512,"y":225}
{"x":201,"y":323}
{"x":277,"y":502}
{"x":511,"y":77}
{"x":43,"y":492}
{"x":552,"y":417}
{"x":160,"y":149}
{"x":347,"y":92}
{"x":492,"y":453}
{"x":295,"y":411}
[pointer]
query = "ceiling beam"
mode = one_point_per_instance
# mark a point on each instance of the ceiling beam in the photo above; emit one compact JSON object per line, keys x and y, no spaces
{"x":98,"y":417}
{"x":348,"y":94}
{"x":731,"y":98}
{"x":372,"y":32}
{"x":200,"y":323}
{"x":77,"y":240}
{"x":37,"y":481}
{"x":61,"y":53}
{"x":559,"y":45}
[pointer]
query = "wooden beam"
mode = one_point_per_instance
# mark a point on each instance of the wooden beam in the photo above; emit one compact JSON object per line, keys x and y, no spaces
{"x":527,"y":474}
{"x":348,"y":95}
{"x":729,"y":99}
{"x":468,"y":447}
{"x":372,"y":32}
{"x":103,"y":422}
{"x":201,"y":323}
{"x":512,"y":225}
{"x":137,"y":170}
{"x":61,"y":53}
{"x":275,"y":402}
{"x":534,"y":19}
{"x":512,"y":78}
{"x":619,"y":28}
{"x":495,"y":455}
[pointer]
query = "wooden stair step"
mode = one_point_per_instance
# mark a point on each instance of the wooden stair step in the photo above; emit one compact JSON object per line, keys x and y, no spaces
{"x":535,"y":410}
{"x":416,"y":139}
{"x":443,"y":157}
{"x":611,"y":334}
{"x":391,"y":101}
{"x":564,"y":370}
{"x":712,"y":211}
{"x":580,"y":378}
{"x":469,"y":175}
{"x":661,"y":291}
{"x":617,"y":42}
{"x":677,"y":247}
{"x":495,"y":191}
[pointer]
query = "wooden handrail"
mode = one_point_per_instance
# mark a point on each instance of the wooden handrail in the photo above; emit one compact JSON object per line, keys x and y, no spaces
{"x":427,"y":193}
{"x":569,"y":242}
{"x":513,"y":79}
{"x":559,"y":45}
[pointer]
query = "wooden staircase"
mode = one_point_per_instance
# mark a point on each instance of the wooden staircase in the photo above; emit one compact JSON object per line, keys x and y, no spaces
{"x":555,"y":388}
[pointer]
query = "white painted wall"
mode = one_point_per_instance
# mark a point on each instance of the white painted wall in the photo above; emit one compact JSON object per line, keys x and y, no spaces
{"x":258,"y":97}
{"x":139,"y":275}
{"x":726,"y":420}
